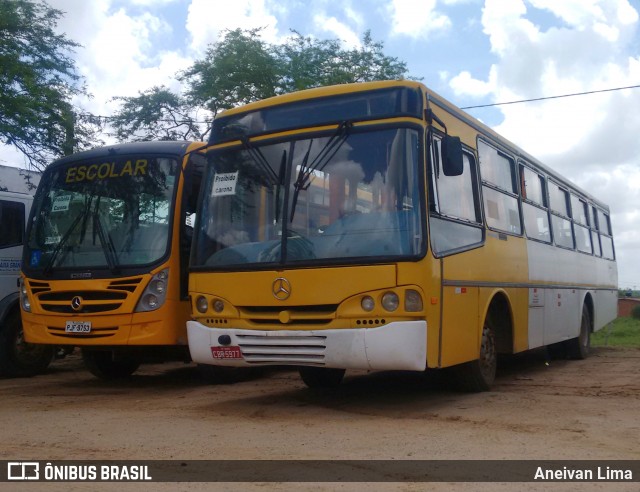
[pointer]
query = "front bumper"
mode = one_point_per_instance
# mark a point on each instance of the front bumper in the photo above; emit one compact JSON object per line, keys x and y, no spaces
{"x":400,"y":345}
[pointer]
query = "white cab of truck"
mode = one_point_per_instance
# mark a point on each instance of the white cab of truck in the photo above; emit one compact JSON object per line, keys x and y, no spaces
{"x":17,"y":358}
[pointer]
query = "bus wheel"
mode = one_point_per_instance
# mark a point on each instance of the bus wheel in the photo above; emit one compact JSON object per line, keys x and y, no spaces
{"x":478,"y":375}
{"x":321,"y":377}
{"x":103,"y":365}
{"x":578,"y":348}
{"x":17,"y":357}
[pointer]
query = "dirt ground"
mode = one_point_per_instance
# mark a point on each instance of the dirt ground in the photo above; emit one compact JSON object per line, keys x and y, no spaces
{"x":539,"y":409}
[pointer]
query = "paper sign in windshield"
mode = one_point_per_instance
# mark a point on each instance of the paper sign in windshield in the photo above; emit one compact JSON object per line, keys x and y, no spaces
{"x":61,"y":203}
{"x":225,"y":184}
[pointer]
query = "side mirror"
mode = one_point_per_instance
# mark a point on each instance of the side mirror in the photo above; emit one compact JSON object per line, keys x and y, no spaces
{"x":452,"y":163}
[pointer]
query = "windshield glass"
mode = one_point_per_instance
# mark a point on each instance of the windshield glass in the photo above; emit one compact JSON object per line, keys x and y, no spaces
{"x":106,"y":214}
{"x":322,"y":199}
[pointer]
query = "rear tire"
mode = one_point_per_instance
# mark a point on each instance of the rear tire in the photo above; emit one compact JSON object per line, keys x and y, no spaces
{"x":579,"y":347}
{"x":321,"y":377}
{"x":478,"y":375}
{"x":20,"y":358}
{"x":103,"y":365}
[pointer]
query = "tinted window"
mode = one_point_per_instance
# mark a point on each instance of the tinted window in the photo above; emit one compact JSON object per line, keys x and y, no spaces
{"x":12,"y":220}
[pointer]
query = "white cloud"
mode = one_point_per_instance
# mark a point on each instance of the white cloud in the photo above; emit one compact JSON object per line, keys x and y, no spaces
{"x":208,"y":18}
{"x":417,"y":18}
{"x":337,"y":29}
{"x":577,"y":136}
{"x":465,"y":84}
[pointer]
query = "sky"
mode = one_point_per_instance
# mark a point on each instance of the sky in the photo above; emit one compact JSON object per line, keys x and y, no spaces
{"x":472,"y":52}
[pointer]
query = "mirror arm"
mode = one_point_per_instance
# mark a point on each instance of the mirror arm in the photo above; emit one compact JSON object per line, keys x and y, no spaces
{"x":430,"y":116}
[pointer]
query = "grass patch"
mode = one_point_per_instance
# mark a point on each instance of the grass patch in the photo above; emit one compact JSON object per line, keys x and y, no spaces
{"x":622,"y":332}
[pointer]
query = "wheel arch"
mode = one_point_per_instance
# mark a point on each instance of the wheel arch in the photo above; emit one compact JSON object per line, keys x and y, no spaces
{"x":587,"y":300}
{"x":8,"y":305}
{"x":498,"y":307}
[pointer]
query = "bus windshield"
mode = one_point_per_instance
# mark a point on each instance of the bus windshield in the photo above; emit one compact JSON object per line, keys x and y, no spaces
{"x":352,"y":194}
{"x":108,"y":214}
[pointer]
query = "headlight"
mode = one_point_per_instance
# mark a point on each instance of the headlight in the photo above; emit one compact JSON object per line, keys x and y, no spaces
{"x":24,"y":297}
{"x":155,"y":294}
{"x":218,"y":306}
{"x":367,"y":303}
{"x":390,"y":301}
{"x":201,"y":304}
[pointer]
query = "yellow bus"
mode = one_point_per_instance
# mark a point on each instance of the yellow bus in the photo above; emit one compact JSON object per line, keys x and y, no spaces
{"x":106,"y":256}
{"x":376,"y":226}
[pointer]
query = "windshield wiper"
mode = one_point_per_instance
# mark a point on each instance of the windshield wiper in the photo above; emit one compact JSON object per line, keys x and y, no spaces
{"x":47,"y":269}
{"x":330,"y":149}
{"x":105,"y":240}
{"x":260,"y":159}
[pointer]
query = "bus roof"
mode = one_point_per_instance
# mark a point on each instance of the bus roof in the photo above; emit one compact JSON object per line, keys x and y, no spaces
{"x":432,"y":98}
{"x":153,"y":147}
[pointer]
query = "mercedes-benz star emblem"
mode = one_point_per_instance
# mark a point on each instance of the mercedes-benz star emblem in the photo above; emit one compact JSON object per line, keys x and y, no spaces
{"x":76,"y":303}
{"x":281,"y":288}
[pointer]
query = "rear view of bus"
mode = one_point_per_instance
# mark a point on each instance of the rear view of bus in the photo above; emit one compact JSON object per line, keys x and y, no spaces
{"x":104,"y":265}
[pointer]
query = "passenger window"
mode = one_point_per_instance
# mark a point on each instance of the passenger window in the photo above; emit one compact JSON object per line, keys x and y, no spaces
{"x":12,"y":220}
{"x":499,"y":190}
{"x":533,"y":188}
{"x":534,"y":205}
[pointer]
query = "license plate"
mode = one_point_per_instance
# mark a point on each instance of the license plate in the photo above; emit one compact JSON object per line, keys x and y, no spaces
{"x":78,"y":327}
{"x":226,"y":352}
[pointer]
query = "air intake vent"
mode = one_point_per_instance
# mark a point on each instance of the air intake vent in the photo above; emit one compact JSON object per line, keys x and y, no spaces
{"x":283,"y":349}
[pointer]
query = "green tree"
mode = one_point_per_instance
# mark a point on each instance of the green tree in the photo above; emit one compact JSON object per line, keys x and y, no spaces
{"x":241,"y":68}
{"x":37,"y":82}
{"x":307,"y":62}
{"x":238,"y":69}
{"x":157,"y":114}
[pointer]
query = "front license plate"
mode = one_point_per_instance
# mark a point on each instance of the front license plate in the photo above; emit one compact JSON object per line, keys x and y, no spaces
{"x":78,"y":327}
{"x":226,"y":352}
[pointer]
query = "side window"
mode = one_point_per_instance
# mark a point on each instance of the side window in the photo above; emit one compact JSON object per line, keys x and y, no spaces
{"x":455,"y":219}
{"x":12,"y":220}
{"x":534,"y":205}
{"x":579,"y":212}
{"x":595,"y":237}
{"x":560,"y":222}
{"x":606,"y":239}
{"x":457,"y":195}
{"x":499,"y":190}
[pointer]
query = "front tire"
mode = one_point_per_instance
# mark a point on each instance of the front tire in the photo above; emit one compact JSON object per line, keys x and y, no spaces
{"x":104,"y":365}
{"x":20,"y":358}
{"x":321,"y":377}
{"x":478,"y":375}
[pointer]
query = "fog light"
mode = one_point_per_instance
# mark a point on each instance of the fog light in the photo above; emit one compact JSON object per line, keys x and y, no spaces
{"x":218,"y":306}
{"x":367,"y":303}
{"x":201,"y":304}
{"x":390,"y":301}
{"x":412,"y":301}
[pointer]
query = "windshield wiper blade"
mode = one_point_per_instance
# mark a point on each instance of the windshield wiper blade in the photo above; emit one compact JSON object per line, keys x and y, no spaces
{"x":108,"y":247}
{"x":47,"y":269}
{"x":260,"y":159}
{"x":323,"y":158}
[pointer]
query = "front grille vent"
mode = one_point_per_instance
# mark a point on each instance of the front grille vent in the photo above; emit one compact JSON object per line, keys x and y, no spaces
{"x":283,"y":349}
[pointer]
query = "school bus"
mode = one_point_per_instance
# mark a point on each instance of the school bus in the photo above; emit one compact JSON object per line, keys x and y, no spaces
{"x":106,"y":256}
{"x":376,"y":226}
